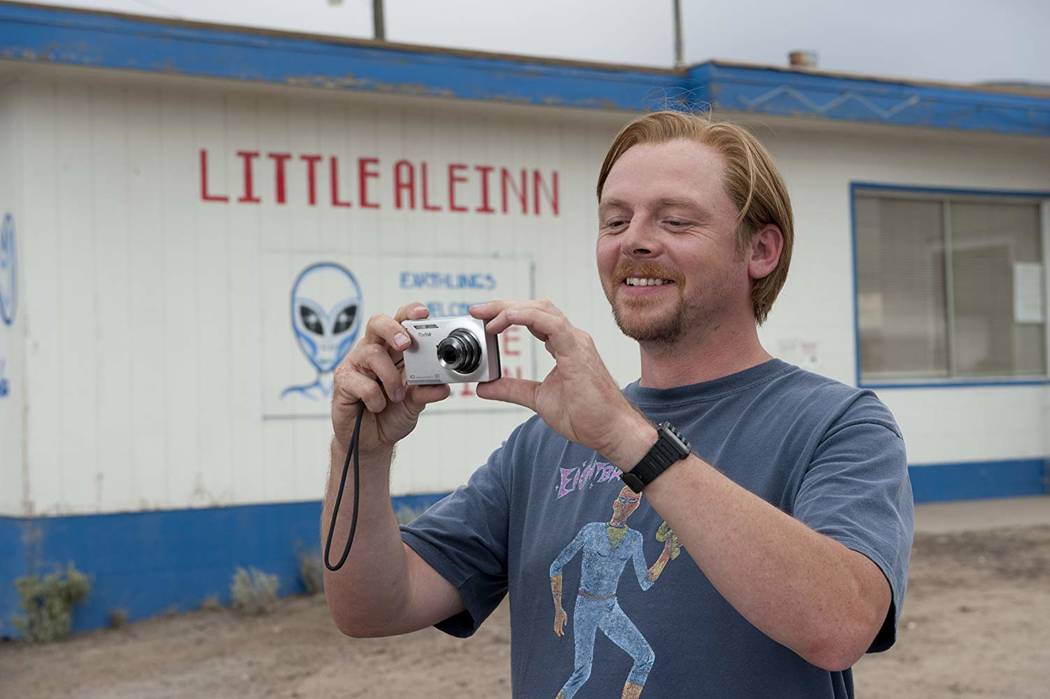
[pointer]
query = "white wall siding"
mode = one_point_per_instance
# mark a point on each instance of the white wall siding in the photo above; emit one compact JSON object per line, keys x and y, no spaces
{"x":151,"y":368}
{"x":13,"y":473}
{"x":143,"y":305}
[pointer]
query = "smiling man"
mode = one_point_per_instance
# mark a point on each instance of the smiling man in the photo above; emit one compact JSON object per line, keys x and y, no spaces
{"x":786,"y":492}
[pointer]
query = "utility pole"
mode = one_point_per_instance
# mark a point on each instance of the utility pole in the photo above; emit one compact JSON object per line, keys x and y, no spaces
{"x":679,"y":62}
{"x":377,"y":20}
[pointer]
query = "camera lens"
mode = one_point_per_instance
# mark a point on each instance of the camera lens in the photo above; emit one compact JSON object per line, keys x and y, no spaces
{"x":460,"y":351}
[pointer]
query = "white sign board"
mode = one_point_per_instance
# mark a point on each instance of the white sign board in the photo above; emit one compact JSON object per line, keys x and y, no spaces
{"x":1028,"y":292}
{"x":315,"y":307}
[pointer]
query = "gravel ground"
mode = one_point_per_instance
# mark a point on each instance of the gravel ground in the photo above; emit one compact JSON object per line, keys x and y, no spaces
{"x":974,"y":624}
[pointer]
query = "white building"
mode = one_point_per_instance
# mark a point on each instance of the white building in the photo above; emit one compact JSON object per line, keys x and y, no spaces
{"x":196,"y":219}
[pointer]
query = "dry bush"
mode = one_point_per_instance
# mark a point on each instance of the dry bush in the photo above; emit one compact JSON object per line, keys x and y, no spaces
{"x":311,"y":572}
{"x":253,"y":591}
{"x":48,"y":604}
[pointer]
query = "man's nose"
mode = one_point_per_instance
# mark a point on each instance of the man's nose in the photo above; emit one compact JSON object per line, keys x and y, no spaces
{"x":640,"y":239}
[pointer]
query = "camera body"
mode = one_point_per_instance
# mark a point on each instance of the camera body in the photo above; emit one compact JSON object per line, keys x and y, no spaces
{"x":450,"y":350}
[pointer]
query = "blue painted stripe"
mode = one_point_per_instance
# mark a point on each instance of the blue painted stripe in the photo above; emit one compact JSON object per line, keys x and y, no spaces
{"x":125,"y":42}
{"x":150,"y":562}
{"x":976,"y":480}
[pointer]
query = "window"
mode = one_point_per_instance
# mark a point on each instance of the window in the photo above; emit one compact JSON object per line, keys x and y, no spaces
{"x":949,"y":286}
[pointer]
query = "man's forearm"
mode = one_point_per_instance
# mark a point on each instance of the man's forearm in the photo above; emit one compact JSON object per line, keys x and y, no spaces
{"x":368,"y":592}
{"x":800,"y":588}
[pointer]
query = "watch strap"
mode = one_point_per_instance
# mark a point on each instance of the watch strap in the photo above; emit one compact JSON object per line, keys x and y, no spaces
{"x":670,"y":447}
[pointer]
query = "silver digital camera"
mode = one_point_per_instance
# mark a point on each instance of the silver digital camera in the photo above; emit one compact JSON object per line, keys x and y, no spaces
{"x":450,"y":350}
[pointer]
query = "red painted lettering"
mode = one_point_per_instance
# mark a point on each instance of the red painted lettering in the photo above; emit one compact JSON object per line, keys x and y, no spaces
{"x":551,"y":194}
{"x":249,"y":191}
{"x":333,"y":178}
{"x":426,"y":190}
{"x":485,"y":170}
{"x":521,"y":192}
{"x":311,"y":177}
{"x":205,"y":195}
{"x":454,"y":178}
{"x":510,"y":336}
{"x":279,"y":160}
{"x":367,"y":169}
{"x":404,"y":181}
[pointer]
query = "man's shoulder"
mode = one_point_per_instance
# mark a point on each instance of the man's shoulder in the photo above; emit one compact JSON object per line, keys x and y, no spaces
{"x":815,"y":395}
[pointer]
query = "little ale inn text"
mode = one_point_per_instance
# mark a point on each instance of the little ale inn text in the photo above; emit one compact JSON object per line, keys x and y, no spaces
{"x":251,"y":177}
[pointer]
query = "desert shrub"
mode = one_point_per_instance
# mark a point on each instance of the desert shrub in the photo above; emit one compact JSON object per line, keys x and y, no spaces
{"x":48,"y":603}
{"x":118,"y":617}
{"x":311,"y":572}
{"x":211,"y":603}
{"x":406,"y":514}
{"x":253,"y":591}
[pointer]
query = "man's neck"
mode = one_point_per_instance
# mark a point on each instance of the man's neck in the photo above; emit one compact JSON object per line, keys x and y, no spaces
{"x":719,"y":351}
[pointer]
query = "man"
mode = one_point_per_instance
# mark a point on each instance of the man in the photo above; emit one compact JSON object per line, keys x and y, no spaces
{"x":792,"y":504}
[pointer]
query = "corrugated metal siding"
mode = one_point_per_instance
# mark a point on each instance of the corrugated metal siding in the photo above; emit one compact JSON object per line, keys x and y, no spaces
{"x":145,"y":363}
{"x":12,"y":365}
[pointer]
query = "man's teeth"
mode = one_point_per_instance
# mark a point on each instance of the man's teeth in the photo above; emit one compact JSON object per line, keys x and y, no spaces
{"x":639,"y":281}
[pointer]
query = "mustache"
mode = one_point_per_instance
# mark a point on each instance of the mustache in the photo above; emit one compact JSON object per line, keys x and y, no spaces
{"x":646,"y":269}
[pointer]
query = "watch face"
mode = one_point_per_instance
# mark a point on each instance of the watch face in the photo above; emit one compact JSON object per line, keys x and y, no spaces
{"x":675,"y":438}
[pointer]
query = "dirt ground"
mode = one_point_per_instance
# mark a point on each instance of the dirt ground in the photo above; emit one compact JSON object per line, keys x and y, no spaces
{"x":975,"y":624}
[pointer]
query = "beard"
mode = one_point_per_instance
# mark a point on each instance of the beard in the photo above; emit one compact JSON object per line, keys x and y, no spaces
{"x":664,"y":326}
{"x":645,"y":320}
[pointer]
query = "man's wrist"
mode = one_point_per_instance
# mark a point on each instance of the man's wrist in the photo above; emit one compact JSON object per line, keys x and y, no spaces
{"x":636,"y":437}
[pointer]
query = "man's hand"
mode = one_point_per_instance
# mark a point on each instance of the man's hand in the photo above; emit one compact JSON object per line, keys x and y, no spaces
{"x":578,"y":398}
{"x":371,"y":373}
{"x":560,"y":619}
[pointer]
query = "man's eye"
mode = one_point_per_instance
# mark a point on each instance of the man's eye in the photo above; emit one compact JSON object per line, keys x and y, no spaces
{"x":615,"y":223}
{"x":675,"y":222}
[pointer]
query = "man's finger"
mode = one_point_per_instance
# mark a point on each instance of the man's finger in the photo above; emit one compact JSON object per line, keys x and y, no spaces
{"x":554,"y":330}
{"x":379,"y":363}
{"x":489,"y":309}
{"x":419,"y":396}
{"x":519,"y":391}
{"x":411,"y":311}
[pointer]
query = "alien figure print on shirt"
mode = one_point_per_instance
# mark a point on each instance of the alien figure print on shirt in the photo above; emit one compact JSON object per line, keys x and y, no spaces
{"x":607,"y":547}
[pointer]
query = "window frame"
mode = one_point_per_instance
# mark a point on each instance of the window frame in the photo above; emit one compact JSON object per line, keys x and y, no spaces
{"x":943,"y":194}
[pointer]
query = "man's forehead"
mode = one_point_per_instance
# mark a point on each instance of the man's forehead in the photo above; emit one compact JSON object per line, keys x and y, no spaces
{"x":676,"y":170}
{"x":659,"y":202}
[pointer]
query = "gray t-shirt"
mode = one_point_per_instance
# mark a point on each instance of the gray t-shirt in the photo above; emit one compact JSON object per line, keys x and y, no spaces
{"x":828,"y":454}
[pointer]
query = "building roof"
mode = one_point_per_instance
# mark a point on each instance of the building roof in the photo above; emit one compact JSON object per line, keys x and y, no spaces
{"x":51,"y":35}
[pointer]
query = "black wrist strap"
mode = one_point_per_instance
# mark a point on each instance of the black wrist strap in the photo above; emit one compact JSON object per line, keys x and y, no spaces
{"x":670,"y":447}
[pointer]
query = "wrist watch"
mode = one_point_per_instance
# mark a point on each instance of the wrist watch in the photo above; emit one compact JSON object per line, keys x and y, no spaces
{"x":670,"y":448}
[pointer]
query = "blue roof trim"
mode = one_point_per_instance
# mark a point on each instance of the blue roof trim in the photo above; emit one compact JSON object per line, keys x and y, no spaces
{"x":40,"y":34}
{"x":797,"y":94}
{"x":49,"y":35}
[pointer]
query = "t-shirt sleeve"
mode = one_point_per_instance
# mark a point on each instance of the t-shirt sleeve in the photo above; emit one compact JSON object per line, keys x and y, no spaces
{"x":857,"y":492}
{"x":464,"y":538}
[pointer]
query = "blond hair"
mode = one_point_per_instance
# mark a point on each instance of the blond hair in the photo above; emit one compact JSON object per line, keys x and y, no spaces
{"x":751,"y":180}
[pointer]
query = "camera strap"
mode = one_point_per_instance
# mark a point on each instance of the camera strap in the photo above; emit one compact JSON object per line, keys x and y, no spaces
{"x":351,"y":451}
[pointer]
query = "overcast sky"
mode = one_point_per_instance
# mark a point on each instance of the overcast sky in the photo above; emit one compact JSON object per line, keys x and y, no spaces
{"x":948,"y":40}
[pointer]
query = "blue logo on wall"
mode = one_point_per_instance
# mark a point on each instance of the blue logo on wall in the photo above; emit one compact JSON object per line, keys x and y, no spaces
{"x":326,"y":318}
{"x":8,"y":289}
{"x":8,"y":271}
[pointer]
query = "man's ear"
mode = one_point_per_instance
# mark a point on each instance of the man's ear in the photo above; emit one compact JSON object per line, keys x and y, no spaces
{"x":765,"y":248}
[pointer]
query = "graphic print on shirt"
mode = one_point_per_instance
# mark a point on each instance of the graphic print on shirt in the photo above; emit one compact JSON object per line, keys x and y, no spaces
{"x":607,"y":546}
